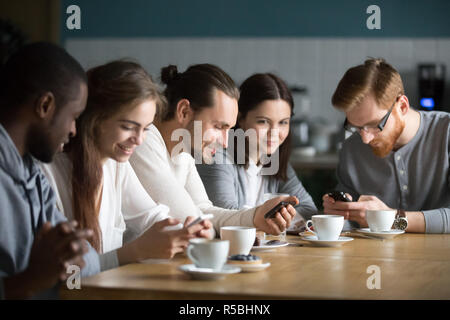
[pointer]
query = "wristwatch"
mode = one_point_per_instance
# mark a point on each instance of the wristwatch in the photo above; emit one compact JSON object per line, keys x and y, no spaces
{"x":401,"y":222}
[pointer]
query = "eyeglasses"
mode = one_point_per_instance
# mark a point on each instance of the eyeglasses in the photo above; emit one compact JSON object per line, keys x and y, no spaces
{"x":371,"y":129}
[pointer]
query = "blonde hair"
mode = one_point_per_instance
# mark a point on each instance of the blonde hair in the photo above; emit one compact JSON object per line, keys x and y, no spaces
{"x":375,"y":77}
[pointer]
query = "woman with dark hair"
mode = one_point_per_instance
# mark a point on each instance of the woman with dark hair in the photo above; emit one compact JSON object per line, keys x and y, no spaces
{"x":265,"y":110}
{"x":94,"y":181}
{"x":202,"y":107}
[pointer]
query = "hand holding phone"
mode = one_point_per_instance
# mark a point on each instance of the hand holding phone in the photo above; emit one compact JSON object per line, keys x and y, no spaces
{"x":200,"y":219}
{"x":271,"y":214}
{"x":339,"y":196}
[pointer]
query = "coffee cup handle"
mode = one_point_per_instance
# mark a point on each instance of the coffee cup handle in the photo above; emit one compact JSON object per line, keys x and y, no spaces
{"x":191,"y":255}
{"x":307,"y":227}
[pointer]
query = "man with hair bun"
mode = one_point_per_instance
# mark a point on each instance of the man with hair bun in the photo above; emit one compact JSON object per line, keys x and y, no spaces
{"x":202,"y":107}
{"x":396,"y":159}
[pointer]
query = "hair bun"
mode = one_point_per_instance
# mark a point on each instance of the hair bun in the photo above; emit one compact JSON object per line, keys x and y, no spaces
{"x":169,"y":73}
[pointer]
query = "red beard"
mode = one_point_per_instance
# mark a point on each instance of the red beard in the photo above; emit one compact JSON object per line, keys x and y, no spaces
{"x":383,"y":145}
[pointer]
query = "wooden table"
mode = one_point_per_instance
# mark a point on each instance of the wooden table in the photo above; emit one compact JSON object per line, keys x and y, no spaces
{"x":412,"y":266}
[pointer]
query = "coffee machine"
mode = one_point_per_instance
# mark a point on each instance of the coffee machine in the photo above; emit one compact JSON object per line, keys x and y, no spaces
{"x":431,"y":86}
{"x":300,"y":126}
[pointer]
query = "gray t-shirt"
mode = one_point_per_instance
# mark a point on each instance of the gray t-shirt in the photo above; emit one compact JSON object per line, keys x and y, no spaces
{"x":413,"y":178}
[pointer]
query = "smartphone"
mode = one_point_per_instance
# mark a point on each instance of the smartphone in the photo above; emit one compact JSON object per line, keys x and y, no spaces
{"x":339,"y":196}
{"x":200,"y":219}
{"x":271,"y":214}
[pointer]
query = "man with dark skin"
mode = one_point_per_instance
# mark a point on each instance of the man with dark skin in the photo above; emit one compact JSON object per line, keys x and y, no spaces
{"x":42,"y":92}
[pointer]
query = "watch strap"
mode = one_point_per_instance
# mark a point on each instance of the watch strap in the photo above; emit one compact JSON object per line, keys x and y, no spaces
{"x":401,"y":213}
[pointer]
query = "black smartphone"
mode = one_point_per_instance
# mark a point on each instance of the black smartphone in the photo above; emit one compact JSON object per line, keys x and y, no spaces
{"x":339,"y":196}
{"x":271,"y":214}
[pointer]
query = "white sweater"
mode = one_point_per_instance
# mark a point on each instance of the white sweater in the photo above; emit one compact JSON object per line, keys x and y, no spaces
{"x":176,"y":183}
{"x":126,"y":209}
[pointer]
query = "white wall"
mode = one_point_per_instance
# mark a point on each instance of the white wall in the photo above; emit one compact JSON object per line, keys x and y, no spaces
{"x":318,"y":63}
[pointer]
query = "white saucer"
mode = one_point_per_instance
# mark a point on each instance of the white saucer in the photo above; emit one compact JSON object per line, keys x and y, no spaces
{"x":381,"y":234}
{"x":264,"y":247}
{"x":327,"y":243}
{"x":207,"y":273}
{"x":252,"y":267}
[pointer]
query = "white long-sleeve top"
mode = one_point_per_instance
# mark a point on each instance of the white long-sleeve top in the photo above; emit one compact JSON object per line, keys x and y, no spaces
{"x":126,"y":209}
{"x":176,"y":183}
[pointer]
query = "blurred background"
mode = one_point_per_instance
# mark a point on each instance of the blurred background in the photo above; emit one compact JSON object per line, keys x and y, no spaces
{"x":310,"y":44}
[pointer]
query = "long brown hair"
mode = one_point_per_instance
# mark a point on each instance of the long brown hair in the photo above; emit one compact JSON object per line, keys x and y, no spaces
{"x":113,"y":87}
{"x":255,"y":90}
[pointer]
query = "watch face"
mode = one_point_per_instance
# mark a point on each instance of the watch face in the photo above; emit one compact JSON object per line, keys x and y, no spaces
{"x":401,"y":224}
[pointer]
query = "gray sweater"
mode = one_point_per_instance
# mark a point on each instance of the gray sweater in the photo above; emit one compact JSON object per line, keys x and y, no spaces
{"x":225,"y":184}
{"x":416,"y":177}
{"x":26,"y":203}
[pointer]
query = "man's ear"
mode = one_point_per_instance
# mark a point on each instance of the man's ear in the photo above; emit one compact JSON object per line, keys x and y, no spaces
{"x":404,"y":104}
{"x":184,"y":113}
{"x":45,"y":105}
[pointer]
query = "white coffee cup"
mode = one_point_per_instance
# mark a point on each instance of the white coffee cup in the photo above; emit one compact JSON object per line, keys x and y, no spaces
{"x":327,"y":227}
{"x":380,"y":220}
{"x":207,"y":253}
{"x":241,"y":239}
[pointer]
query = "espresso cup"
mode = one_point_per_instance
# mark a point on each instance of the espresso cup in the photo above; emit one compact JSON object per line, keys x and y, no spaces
{"x":241,"y":239}
{"x":380,"y":220}
{"x":327,"y":227}
{"x":207,"y":253}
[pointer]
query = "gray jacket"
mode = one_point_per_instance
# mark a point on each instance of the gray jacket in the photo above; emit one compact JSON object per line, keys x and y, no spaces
{"x":26,"y":203}
{"x":225,"y":185}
